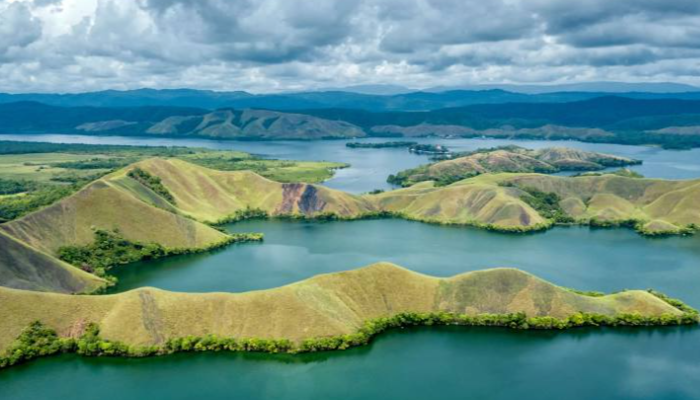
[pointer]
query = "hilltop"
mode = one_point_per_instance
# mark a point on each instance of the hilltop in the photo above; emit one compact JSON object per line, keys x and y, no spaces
{"x":509,"y":159}
{"x":324,"y":306}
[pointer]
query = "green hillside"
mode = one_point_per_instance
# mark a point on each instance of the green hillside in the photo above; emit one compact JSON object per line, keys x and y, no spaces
{"x":23,"y":267}
{"x":325,"y":306}
{"x":509,"y":159}
{"x":173,"y":214}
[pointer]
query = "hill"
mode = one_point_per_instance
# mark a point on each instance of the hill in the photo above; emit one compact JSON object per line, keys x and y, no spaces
{"x":509,"y":159}
{"x":23,"y":267}
{"x":114,"y":202}
{"x":36,"y":174}
{"x":210,"y":195}
{"x":321,"y":307}
{"x":169,"y":121}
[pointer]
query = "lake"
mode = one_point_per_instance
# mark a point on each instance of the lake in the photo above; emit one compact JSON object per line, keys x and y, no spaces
{"x":479,"y":363}
{"x":657,"y":363}
{"x":370,"y":167}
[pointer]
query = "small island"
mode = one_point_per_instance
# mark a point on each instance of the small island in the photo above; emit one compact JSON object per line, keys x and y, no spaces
{"x":459,"y":166}
{"x":383,"y":145}
{"x":413,"y":147}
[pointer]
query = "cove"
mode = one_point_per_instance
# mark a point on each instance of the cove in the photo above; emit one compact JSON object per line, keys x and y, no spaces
{"x":578,"y":257}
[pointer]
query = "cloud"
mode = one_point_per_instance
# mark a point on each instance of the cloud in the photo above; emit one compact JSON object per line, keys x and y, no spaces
{"x":18,"y":27}
{"x":270,"y":45}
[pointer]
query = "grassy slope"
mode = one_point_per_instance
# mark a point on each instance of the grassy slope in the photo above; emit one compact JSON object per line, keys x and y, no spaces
{"x":119,"y":202}
{"x":210,"y":195}
{"x":325,"y":305}
{"x":470,"y":201}
{"x":665,"y":205}
{"x":23,"y":267}
{"x":112,"y":202}
{"x":39,"y":167}
{"x":512,"y":159}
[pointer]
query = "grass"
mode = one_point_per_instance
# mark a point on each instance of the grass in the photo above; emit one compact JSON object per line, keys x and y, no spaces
{"x":40,"y":167}
{"x":200,"y":196}
{"x":26,"y":268}
{"x":50,"y":165}
{"x":324,"y":306}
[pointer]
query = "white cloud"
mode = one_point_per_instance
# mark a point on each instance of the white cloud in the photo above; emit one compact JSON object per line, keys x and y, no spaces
{"x":270,"y":45}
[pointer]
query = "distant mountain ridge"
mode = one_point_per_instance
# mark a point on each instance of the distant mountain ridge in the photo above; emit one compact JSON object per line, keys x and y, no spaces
{"x":672,"y":123}
{"x":373,"y":98}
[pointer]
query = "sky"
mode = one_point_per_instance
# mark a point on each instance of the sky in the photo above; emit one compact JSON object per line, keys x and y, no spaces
{"x":281,"y":45}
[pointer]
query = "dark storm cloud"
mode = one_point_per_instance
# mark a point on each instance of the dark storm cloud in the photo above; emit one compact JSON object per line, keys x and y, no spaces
{"x":296,"y":44}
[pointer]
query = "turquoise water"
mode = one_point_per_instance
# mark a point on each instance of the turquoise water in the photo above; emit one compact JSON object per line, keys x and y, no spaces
{"x":579,"y":257}
{"x":658,"y":363}
{"x":435,"y":363}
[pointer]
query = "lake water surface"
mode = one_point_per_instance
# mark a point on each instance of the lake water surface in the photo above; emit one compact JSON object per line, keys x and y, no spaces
{"x":423,"y":363}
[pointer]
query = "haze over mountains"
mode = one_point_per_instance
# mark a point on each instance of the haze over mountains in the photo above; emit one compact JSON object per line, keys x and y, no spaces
{"x":371,"y":98}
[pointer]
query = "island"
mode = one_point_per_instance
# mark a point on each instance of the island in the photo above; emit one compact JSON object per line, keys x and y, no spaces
{"x":382,"y":145}
{"x":460,"y":166}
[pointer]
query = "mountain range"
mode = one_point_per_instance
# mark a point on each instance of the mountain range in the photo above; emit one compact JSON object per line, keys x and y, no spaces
{"x":671,"y":120}
{"x":372,"y":98}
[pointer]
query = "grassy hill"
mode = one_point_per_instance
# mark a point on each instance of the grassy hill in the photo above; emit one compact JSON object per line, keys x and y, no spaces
{"x":661,"y":205}
{"x":210,"y":195}
{"x":172,"y":212}
{"x":509,"y":159}
{"x":114,"y":202}
{"x":24,"y":267}
{"x":35,"y":174}
{"x":323,"y":306}
{"x":479,"y":203}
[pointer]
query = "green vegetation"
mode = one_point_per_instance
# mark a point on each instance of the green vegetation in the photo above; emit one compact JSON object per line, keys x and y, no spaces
{"x":38,"y":196}
{"x":624,"y":172}
{"x":152,"y":182}
{"x":94,"y":163}
{"x":547,"y":204}
{"x":39,"y":341}
{"x":11,"y":186}
{"x":384,"y":145}
{"x":111,"y":249}
{"x":277,"y":170}
{"x":513,"y":159}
